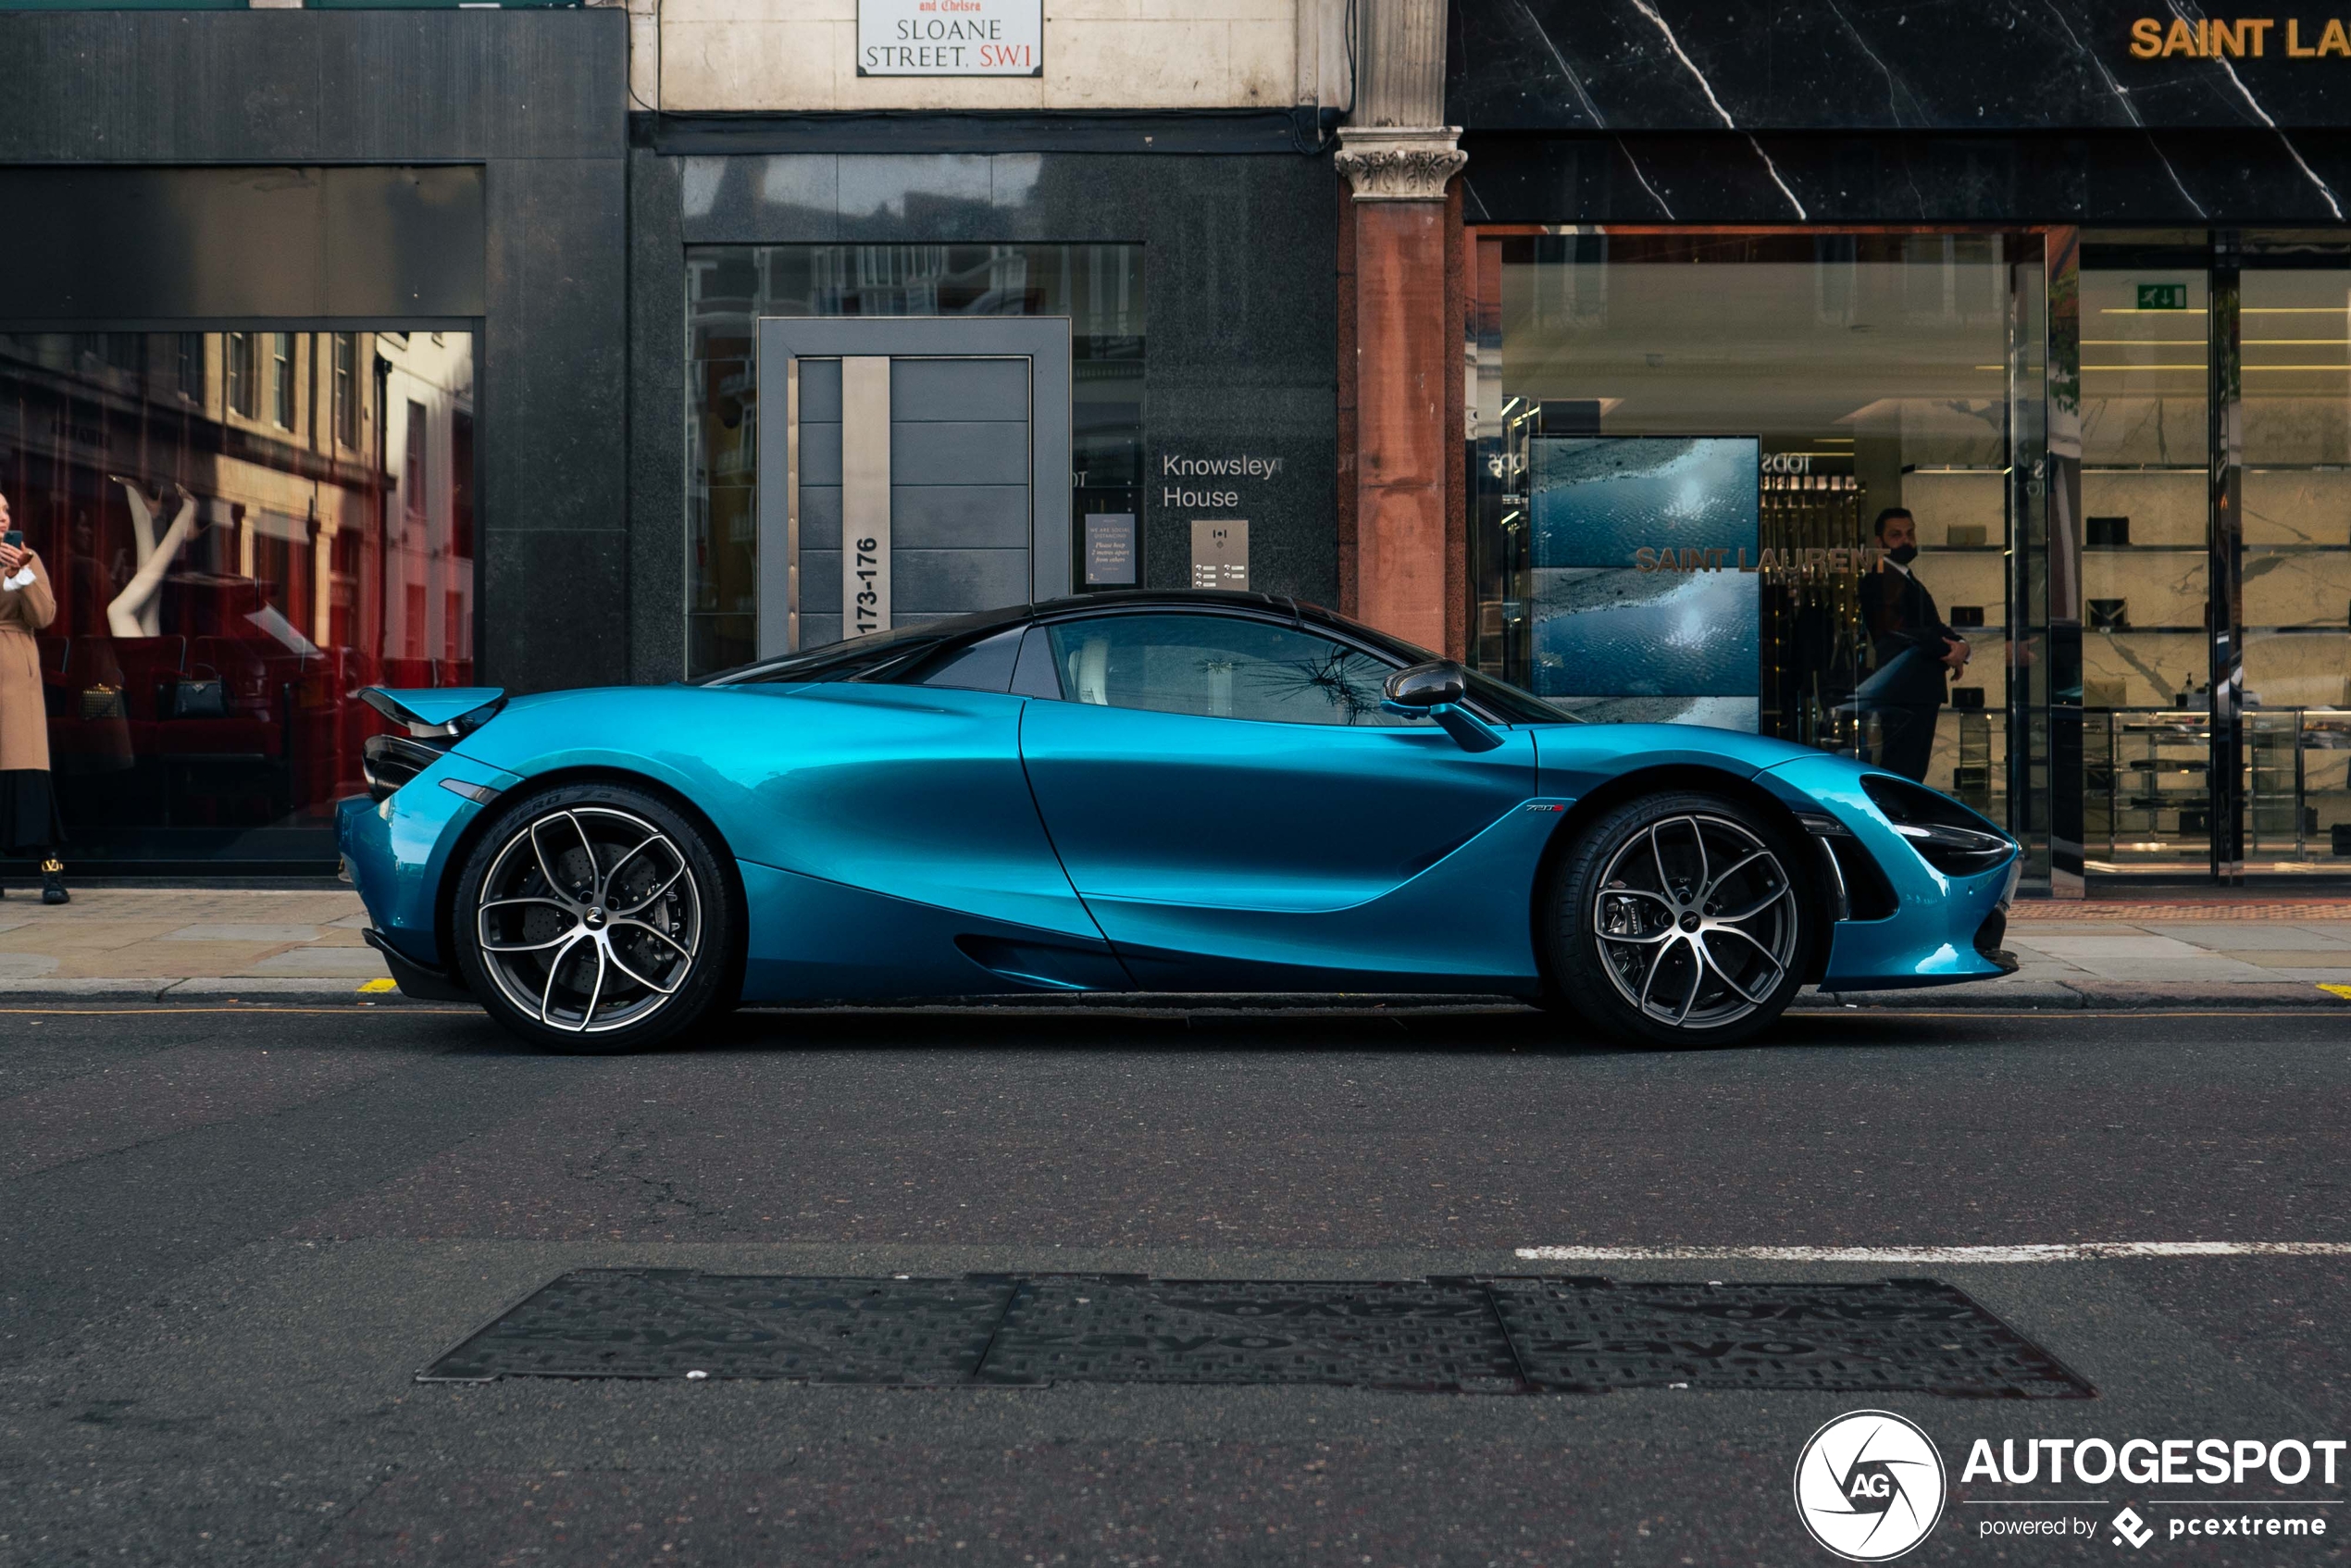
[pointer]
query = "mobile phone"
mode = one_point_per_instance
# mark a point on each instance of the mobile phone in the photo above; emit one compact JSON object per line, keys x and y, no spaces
{"x":13,"y":538}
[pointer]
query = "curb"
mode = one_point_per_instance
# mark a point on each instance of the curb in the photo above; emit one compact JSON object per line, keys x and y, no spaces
{"x":2068,"y":996}
{"x":2013,"y":996}
{"x":262,"y":991}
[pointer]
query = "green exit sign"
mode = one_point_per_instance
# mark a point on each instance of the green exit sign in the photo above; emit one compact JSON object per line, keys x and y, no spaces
{"x":2163,"y":296}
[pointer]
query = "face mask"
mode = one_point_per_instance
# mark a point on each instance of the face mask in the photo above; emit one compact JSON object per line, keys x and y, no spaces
{"x":1903,"y":555}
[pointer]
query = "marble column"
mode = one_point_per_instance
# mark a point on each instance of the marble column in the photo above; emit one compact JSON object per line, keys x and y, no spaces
{"x":1405,"y":352}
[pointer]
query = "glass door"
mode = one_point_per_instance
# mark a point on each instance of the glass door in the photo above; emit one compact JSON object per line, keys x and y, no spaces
{"x":2294,"y":570}
{"x":2145,"y":325}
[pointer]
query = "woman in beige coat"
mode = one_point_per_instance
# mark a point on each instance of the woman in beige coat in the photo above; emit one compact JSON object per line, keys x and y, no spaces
{"x":29,"y":824}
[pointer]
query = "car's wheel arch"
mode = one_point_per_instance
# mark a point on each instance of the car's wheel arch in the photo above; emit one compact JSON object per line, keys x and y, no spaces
{"x":1659,"y":779}
{"x":453,"y":867}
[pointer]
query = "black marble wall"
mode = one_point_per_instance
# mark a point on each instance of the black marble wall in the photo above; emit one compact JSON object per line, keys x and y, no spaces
{"x":2187,"y":178}
{"x":1239,"y":274}
{"x":537,"y":99}
{"x":1632,"y":66}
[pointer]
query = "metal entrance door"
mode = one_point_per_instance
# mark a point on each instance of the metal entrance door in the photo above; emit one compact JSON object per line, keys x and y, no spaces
{"x":912,"y":468}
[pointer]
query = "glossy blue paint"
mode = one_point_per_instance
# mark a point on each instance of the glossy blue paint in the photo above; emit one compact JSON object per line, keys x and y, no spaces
{"x":1160,"y":810}
{"x":1464,"y":924}
{"x":399,"y":850}
{"x":909,"y":791}
{"x":438,"y":704}
{"x":1930,"y":939}
{"x":1577,"y":758}
{"x":907,"y":840}
{"x":814,"y":940}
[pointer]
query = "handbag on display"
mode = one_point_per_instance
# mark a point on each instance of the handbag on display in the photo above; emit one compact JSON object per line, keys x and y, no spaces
{"x":102,"y":702}
{"x":203,"y":698}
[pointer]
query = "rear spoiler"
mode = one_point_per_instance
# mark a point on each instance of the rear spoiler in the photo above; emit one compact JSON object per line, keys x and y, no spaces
{"x":439,"y":711}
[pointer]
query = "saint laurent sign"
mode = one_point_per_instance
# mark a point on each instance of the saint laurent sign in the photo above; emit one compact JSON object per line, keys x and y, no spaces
{"x":2211,"y":38}
{"x":1770,"y":562}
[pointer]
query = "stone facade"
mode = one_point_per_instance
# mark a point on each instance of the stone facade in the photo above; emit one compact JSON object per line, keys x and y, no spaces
{"x":801,"y":55}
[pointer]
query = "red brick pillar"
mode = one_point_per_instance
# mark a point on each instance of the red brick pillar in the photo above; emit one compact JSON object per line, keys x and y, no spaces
{"x":1405,"y":350}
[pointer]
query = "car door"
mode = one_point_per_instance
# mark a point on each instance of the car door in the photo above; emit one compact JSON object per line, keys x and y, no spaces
{"x":1235,"y":809}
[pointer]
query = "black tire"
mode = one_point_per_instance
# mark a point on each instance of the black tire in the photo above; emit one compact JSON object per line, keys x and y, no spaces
{"x":1642,"y":929}
{"x":598,"y":874}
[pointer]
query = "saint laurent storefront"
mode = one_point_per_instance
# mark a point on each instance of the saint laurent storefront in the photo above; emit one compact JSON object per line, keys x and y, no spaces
{"x":2060,"y":305}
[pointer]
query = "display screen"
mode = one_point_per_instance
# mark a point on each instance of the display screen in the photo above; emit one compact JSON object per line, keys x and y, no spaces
{"x":1641,"y":608}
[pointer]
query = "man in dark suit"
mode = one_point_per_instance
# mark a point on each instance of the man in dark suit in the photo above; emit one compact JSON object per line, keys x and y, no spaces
{"x":1915,"y":651}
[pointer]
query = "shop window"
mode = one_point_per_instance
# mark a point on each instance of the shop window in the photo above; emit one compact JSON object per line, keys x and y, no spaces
{"x":1101,"y":288}
{"x":1674,"y":496}
{"x":220,"y":600}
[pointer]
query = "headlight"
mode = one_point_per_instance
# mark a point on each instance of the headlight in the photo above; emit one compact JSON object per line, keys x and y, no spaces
{"x":1947,"y":835}
{"x":389,"y":761}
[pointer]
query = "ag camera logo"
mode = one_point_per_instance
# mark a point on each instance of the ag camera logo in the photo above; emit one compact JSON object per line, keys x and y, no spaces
{"x":1870,"y":1485}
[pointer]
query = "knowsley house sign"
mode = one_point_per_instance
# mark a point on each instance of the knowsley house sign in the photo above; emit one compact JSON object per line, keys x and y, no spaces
{"x":950,"y":37}
{"x":2212,"y":38}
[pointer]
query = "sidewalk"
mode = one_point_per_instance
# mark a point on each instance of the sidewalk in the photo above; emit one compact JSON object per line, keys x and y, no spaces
{"x":2227,"y":952}
{"x":256,"y":945}
{"x":265,"y":945}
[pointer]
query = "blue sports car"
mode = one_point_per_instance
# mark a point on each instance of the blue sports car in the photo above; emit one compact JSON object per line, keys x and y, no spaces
{"x":1139,"y":791}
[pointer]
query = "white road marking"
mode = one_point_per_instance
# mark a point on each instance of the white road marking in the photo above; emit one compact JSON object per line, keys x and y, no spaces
{"x":2050,"y":1252}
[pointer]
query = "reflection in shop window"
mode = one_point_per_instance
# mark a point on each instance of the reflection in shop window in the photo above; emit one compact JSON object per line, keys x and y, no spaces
{"x":239,"y":354}
{"x":414,"y":497}
{"x":346,"y":404}
{"x":282,"y":377}
{"x":222,"y":599}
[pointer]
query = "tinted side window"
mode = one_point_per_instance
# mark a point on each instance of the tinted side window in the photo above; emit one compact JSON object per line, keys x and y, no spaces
{"x":1219,"y":666}
{"x":984,"y":665}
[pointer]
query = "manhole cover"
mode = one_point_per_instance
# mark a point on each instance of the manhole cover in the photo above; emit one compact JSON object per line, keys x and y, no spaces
{"x":1430,"y":1335}
{"x":1487,"y":1335}
{"x":1917,"y":1336}
{"x":666,"y":1323}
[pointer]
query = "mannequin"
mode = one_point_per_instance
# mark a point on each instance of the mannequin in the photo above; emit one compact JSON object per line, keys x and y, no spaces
{"x":137,"y":611}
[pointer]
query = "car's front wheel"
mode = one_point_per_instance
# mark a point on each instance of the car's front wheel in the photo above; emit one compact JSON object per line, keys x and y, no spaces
{"x":1673,"y":920}
{"x":594,"y":917}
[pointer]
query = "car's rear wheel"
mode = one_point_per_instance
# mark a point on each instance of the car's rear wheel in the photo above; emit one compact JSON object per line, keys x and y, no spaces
{"x":1673,"y":920}
{"x":595,"y":918}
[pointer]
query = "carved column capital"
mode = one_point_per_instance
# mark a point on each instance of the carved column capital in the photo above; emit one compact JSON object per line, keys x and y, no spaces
{"x":1391,"y":163}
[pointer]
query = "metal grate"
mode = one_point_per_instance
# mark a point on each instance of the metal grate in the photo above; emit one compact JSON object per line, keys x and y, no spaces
{"x":1431,"y":1337}
{"x":1469,"y":1335}
{"x":666,"y":1323}
{"x":1917,"y":1336}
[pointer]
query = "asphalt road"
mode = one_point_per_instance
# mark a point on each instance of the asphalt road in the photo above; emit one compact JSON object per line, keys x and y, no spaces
{"x":229,"y":1239}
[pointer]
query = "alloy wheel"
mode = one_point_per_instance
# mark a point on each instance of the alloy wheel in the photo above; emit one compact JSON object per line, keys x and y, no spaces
{"x":1696,"y":921}
{"x":590,"y":919}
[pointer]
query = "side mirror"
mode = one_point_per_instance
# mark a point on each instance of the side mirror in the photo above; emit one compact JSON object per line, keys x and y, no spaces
{"x":1423,"y":687}
{"x":1434,"y":690}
